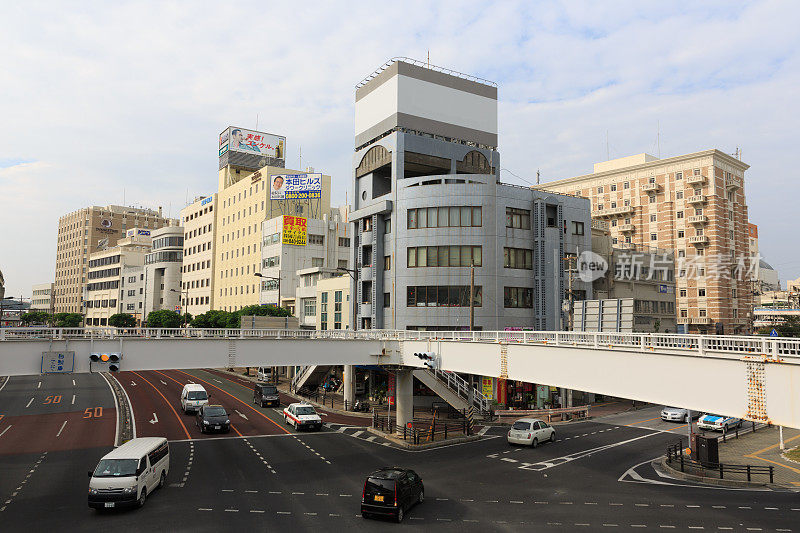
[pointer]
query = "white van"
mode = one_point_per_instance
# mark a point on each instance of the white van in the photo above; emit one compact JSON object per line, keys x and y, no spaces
{"x":264,"y":374}
{"x":193,"y":397}
{"x":125,"y":476}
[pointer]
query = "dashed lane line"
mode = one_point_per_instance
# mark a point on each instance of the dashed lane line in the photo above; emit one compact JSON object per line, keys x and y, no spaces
{"x":10,"y":499}
{"x":62,"y":429}
{"x":29,"y":403}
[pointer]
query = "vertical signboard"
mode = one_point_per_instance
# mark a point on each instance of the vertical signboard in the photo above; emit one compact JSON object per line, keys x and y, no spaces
{"x":487,"y":387}
{"x":295,"y":230}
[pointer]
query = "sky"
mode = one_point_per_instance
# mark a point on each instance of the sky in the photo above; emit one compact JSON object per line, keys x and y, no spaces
{"x":105,"y":102}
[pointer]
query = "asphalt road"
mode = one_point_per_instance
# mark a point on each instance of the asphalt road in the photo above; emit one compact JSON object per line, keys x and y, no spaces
{"x":272,"y":477}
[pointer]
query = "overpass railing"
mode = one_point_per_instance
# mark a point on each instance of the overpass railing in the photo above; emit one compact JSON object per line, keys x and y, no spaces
{"x":772,"y":347}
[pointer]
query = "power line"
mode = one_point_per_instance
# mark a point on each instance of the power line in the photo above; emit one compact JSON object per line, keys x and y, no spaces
{"x":516,"y":176}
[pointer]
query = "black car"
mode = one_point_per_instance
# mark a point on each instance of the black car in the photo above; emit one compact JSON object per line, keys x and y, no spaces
{"x":213,"y":418}
{"x":266,"y":394}
{"x":391,"y":492}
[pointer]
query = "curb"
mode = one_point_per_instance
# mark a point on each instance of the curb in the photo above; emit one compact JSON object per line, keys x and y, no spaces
{"x":403,"y":445}
{"x":734,"y":483}
{"x":125,"y":416}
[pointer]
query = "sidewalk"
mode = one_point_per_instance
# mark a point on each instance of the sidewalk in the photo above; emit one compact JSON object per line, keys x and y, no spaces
{"x":762,"y":448}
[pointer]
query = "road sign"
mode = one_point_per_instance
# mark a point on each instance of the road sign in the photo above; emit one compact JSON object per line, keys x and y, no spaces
{"x":773,"y":333}
{"x":57,"y":362}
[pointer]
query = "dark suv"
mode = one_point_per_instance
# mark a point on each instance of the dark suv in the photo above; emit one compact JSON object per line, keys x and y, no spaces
{"x":391,"y":492}
{"x":265,"y":394}
{"x":213,"y":418}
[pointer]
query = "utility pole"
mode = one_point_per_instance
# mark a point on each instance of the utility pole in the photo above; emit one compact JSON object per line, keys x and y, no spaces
{"x":472,"y":298}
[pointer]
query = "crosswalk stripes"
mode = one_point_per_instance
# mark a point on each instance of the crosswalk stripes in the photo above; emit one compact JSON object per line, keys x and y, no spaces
{"x":357,"y":432}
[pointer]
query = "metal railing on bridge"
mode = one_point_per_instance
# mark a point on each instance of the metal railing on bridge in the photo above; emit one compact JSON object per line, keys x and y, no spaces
{"x":772,"y":347}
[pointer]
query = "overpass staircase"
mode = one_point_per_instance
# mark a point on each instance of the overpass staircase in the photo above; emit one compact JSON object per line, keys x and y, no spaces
{"x":454,"y":390}
{"x":310,"y":377}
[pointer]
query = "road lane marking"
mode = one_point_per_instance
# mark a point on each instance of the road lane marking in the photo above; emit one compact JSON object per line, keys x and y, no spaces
{"x":162,"y":381}
{"x":133,"y":383}
{"x":256,"y":511}
{"x":62,"y":429}
{"x":168,"y":404}
{"x":29,"y":403}
{"x":240,"y":414}
{"x":39,"y":386}
{"x":4,"y":431}
{"x":73,"y":399}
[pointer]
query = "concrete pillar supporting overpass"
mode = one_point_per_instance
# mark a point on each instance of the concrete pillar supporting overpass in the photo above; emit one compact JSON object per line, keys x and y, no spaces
{"x":754,"y":378}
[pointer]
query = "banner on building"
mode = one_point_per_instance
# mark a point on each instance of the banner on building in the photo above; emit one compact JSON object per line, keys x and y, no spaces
{"x":487,"y":387}
{"x":295,"y":186}
{"x":295,"y":230}
{"x":251,"y":142}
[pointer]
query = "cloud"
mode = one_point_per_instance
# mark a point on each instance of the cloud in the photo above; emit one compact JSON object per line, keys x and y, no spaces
{"x":105,"y":100}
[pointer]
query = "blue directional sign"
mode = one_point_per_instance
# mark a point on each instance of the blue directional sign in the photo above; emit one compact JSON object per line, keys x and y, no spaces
{"x":57,"y":362}
{"x":773,"y":333}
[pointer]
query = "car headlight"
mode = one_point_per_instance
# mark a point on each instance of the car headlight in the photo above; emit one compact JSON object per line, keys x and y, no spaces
{"x":205,"y":422}
{"x":129,"y":490}
{"x":92,"y":491}
{"x":228,"y":421}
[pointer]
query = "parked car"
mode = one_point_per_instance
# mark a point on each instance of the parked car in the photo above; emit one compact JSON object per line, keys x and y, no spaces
{"x":264,"y":373}
{"x":266,"y":394}
{"x":531,"y":431}
{"x":213,"y":418}
{"x":302,"y":416}
{"x":193,"y":397}
{"x":678,"y":414}
{"x":718,"y":422}
{"x":391,"y":492}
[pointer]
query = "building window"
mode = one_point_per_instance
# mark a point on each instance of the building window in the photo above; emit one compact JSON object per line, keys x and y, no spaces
{"x":518,"y":218}
{"x":310,"y":306}
{"x":387,"y":299}
{"x":518,"y":258}
{"x":344,"y":242}
{"x":387,"y":225}
{"x":444,"y":256}
{"x":368,"y":224}
{"x":684,"y":313}
{"x":614,"y":223}
{"x":443,"y":217}
{"x":701,"y":292}
{"x":577,"y":228}
{"x":679,"y":214}
{"x":681,"y":234}
{"x":626,"y":185}
{"x":733,"y":293}
{"x":679,"y":175}
{"x":613,"y":187}
{"x":323,"y":308}
{"x":679,"y":195}
{"x":317,"y":261}
{"x":653,"y":236}
{"x":652,"y":218}
{"x":683,"y":293}
{"x":316,"y":239}
{"x":652,"y":199}
{"x":443,"y":296}
{"x":613,"y":205}
{"x":337,"y":310}
{"x":599,"y":190}
{"x":517,"y":297}
{"x":703,"y":313}
{"x":387,"y":262}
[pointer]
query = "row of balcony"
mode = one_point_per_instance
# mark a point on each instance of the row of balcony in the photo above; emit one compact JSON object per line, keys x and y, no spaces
{"x":699,"y":320}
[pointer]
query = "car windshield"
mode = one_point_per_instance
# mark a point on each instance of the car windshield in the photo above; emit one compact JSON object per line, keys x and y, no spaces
{"x":116,"y":468}
{"x":215,"y":411}
{"x":306,"y":411}
{"x":197,"y":395}
{"x":269,"y":389}
{"x":521,"y":426}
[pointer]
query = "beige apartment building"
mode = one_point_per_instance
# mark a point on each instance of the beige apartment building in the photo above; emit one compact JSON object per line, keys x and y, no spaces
{"x":84,"y":232}
{"x":243,"y":202}
{"x":693,"y":204}
{"x":41,"y":297}
{"x":199,"y":221}
{"x":333,"y":306}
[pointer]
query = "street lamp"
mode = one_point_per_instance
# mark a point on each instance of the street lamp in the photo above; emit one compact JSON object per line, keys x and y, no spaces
{"x":278,"y":279}
{"x":183,"y":303}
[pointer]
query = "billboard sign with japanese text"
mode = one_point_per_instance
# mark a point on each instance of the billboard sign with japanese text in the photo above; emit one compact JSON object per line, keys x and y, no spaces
{"x":295,"y":230}
{"x":295,"y":186}
{"x":251,"y":142}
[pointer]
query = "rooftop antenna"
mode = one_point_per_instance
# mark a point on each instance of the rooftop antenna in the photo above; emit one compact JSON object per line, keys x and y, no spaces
{"x":429,"y":58}
{"x":538,"y":174}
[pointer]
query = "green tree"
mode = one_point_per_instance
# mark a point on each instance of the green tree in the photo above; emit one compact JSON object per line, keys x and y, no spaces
{"x":263,"y":310}
{"x":216,"y":319}
{"x":164,"y":318}
{"x":789,"y":328}
{"x":67,"y":320}
{"x":122,"y":320}
{"x":36,"y":317}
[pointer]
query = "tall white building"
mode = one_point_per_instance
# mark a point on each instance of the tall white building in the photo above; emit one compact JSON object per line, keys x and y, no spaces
{"x":162,"y":271}
{"x":199,"y":221}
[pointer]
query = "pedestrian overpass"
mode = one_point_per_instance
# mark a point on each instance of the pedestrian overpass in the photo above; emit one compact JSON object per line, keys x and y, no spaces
{"x":755,"y":378}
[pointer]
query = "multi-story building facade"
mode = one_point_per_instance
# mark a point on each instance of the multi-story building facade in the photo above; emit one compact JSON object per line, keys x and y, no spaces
{"x":84,"y":232}
{"x":298,"y":266}
{"x":242,"y":204}
{"x":332,"y":303}
{"x":429,"y":208}
{"x":199,"y":221}
{"x":107,"y":273}
{"x":162,"y":271}
{"x":693,"y":204}
{"x":41,"y":297}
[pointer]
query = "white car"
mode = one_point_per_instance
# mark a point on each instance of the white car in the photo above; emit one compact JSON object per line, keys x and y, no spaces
{"x":531,"y":431}
{"x":193,"y":397}
{"x":302,"y":416}
{"x":677,"y":414}
{"x":718,"y":422}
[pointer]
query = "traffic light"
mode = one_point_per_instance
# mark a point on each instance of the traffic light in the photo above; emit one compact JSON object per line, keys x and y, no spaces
{"x":109,"y":361}
{"x":428,"y":359}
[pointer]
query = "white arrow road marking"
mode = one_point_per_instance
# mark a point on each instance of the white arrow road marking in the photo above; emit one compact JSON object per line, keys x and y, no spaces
{"x":62,"y":429}
{"x":162,"y":381}
{"x":154,"y":420}
{"x":240,"y":414}
{"x":133,"y":383}
{"x":218,"y":381}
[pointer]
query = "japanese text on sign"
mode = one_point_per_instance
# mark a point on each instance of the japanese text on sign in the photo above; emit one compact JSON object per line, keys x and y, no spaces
{"x":296,"y":186}
{"x":295,"y":231}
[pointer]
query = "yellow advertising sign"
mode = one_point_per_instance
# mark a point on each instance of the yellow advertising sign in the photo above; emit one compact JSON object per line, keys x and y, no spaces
{"x":295,"y":231}
{"x":487,"y":386}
